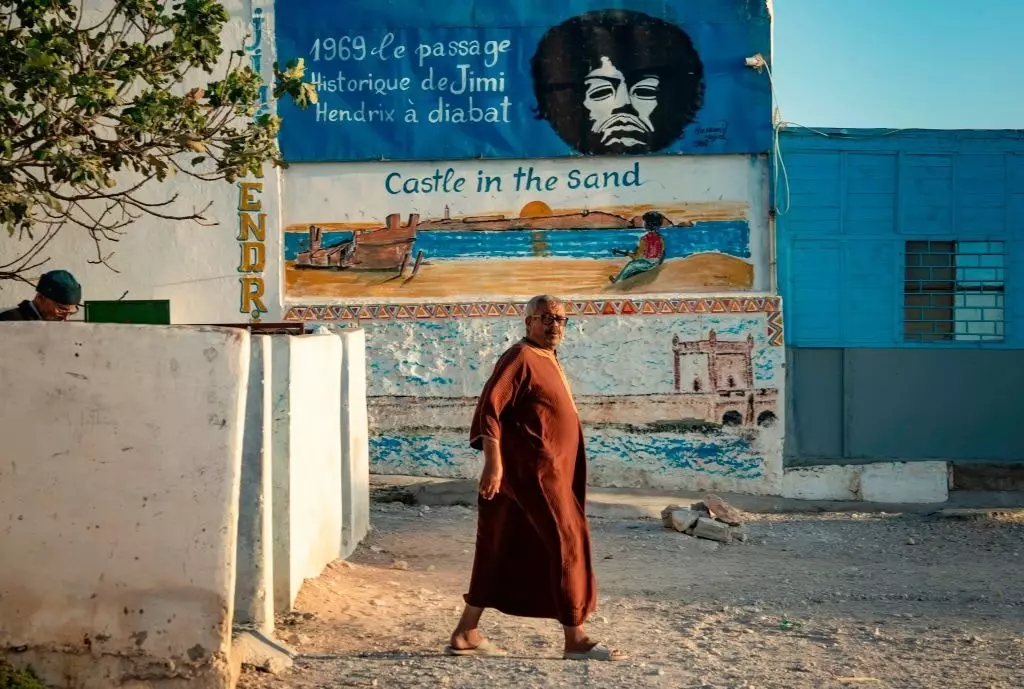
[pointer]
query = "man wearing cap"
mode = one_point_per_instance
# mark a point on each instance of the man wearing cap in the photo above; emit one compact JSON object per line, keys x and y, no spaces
{"x":57,"y":297}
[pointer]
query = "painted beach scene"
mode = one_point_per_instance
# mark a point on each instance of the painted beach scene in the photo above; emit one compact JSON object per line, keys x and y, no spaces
{"x":601,"y":251}
{"x":601,"y":227}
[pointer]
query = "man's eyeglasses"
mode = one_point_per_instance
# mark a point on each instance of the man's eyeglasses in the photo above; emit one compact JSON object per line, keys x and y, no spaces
{"x":548,"y":319}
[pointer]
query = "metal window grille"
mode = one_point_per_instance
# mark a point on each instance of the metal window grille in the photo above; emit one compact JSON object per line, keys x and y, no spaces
{"x":953,"y":291}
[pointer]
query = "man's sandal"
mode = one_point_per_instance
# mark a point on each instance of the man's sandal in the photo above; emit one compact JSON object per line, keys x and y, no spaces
{"x":485,"y":649}
{"x":598,"y":652}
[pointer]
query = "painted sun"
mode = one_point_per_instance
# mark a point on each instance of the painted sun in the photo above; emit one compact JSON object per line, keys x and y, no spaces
{"x":535,"y":209}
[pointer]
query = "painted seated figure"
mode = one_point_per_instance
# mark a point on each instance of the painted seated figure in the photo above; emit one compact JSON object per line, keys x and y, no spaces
{"x":649,"y":252}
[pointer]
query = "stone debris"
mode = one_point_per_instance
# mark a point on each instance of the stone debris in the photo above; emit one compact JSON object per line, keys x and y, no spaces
{"x":683,"y":520}
{"x":711,"y":519}
{"x":666,"y":515}
{"x":722,"y":511}
{"x":712,"y":530}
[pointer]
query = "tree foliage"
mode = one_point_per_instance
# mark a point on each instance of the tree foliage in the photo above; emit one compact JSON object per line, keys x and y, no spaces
{"x":94,"y":112}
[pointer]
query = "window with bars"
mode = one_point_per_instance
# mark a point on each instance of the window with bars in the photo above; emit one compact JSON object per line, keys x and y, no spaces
{"x":953,"y":291}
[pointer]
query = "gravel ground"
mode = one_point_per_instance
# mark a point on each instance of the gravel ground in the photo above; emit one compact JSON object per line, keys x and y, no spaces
{"x":823,"y":600}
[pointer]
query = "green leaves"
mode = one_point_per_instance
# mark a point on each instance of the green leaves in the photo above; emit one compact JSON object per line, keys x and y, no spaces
{"x":289,"y":83}
{"x":82,"y":103}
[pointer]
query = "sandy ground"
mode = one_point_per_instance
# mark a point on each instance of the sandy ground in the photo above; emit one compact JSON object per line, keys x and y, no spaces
{"x":699,"y":273}
{"x":825,"y":600}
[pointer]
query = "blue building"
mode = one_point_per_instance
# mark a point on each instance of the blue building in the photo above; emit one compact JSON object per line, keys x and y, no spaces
{"x":901,"y":264}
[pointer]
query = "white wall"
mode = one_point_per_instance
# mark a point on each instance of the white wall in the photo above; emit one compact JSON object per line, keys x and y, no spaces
{"x":119,"y":485}
{"x":307,"y":468}
{"x":355,"y":450}
{"x":193,"y":265}
{"x":254,"y":594}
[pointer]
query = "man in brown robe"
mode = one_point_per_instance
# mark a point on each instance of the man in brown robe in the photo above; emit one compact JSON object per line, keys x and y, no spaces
{"x":533,"y":543}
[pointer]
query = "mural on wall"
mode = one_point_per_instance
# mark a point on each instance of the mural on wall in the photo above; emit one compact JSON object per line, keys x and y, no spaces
{"x":664,"y":399}
{"x":520,"y":228}
{"x":525,"y":78}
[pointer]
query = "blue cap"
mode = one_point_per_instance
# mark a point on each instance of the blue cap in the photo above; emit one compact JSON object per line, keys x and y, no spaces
{"x":61,"y":287}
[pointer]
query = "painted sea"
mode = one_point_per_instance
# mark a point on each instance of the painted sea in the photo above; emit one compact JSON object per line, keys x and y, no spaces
{"x":727,"y":237}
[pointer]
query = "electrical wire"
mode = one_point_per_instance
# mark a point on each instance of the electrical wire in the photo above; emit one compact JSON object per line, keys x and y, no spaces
{"x":778,"y":162}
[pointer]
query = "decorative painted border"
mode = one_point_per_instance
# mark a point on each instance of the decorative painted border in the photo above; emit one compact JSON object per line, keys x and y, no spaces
{"x":775,"y":329}
{"x":506,"y":309}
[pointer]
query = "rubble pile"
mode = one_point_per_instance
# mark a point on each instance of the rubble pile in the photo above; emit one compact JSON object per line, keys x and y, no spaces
{"x":713,"y":519}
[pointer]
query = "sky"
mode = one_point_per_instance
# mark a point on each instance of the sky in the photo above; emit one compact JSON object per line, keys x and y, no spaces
{"x":935,"y":64}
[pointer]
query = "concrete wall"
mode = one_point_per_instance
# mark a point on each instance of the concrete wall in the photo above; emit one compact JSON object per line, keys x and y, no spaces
{"x":254,"y":599}
{"x":891,"y":483}
{"x":307,"y":466}
{"x":355,"y":451}
{"x":640,"y":430}
{"x":119,"y":486}
{"x":862,"y":387}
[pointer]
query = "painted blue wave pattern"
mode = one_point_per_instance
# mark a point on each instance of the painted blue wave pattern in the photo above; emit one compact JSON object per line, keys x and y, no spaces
{"x":724,"y":454}
{"x":449,"y":454}
{"x":730,"y":237}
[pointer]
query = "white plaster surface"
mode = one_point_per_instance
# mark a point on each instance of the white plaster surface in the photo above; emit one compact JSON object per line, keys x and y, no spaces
{"x":885,"y":482}
{"x":307,"y":460}
{"x":355,"y":450}
{"x":602,"y":355}
{"x":119,"y":484}
{"x":822,"y":483}
{"x":254,"y":600}
{"x":905,"y":482}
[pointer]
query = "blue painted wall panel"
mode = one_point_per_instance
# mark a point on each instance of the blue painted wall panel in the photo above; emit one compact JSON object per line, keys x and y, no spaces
{"x":852,"y":198}
{"x":415,"y":80}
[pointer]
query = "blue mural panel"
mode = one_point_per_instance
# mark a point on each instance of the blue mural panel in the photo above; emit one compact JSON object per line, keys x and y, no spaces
{"x":512,"y":79}
{"x":726,"y":454}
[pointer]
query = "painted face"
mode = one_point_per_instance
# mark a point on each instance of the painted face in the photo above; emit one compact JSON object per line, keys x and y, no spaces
{"x":620,"y":112}
{"x":546,"y":328}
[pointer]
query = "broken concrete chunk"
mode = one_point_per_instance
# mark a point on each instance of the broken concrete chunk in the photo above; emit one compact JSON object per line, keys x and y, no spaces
{"x":666,"y":515}
{"x":739,"y":534}
{"x":723,"y":511}
{"x":683,"y":520}
{"x":712,"y":530}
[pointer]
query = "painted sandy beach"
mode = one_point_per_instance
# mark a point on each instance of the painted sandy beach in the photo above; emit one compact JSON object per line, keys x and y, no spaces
{"x":706,"y":247}
{"x":525,"y":277}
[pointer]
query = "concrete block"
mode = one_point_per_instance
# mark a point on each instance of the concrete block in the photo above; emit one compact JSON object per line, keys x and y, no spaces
{"x":822,"y":483}
{"x":355,"y":442}
{"x":666,"y":515}
{"x":254,"y":567}
{"x":307,"y":511}
{"x":119,"y":494}
{"x":683,"y":520}
{"x":905,"y":482}
{"x":712,"y":530}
